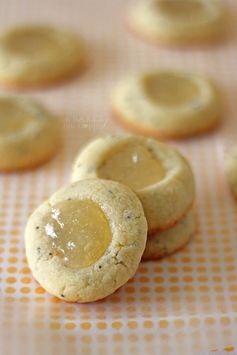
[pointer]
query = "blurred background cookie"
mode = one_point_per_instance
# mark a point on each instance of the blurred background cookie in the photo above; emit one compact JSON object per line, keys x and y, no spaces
{"x":29,"y":133}
{"x":178,"y":22}
{"x":167,"y":104}
{"x":38,"y":55}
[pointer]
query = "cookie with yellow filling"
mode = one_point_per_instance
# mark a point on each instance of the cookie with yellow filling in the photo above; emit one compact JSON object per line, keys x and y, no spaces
{"x":164,"y":243}
{"x":159,"y":175}
{"x":167,"y":104}
{"x":178,"y":21}
{"x":39,"y":55}
{"x":87,"y":240}
{"x":231,"y":170}
{"x":29,"y":133}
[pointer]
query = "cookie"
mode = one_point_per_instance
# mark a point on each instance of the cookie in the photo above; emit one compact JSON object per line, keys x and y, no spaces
{"x":231,"y":170}
{"x":178,"y":22}
{"x":167,"y":104}
{"x":37,"y":55}
{"x":167,"y":242}
{"x":29,"y":133}
{"x":87,"y":240}
{"x":159,"y":175}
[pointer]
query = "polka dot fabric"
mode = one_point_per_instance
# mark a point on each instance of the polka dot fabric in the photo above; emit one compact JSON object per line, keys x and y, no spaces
{"x":184,"y":304}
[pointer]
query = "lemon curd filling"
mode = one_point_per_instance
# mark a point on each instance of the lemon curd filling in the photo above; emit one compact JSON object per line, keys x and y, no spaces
{"x":133,"y":165}
{"x":184,"y":9}
{"x":170,"y":89}
{"x":12,"y":118}
{"x":78,"y":231}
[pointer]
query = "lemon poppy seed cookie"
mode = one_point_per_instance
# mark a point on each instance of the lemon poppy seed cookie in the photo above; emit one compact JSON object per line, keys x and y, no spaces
{"x":164,"y":243}
{"x":29,"y":133}
{"x":231,"y":170}
{"x":168,"y":104}
{"x":39,"y":55}
{"x":87,"y":240}
{"x":178,"y":21}
{"x":159,"y":175}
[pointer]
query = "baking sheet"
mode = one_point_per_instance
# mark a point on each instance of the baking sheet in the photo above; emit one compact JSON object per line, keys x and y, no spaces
{"x":184,"y":304}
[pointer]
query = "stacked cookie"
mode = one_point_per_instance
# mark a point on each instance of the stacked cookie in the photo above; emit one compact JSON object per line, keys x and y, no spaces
{"x":131,"y":197}
{"x":160,"y":177}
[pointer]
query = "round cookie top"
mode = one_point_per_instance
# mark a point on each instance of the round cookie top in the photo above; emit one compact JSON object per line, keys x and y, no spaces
{"x":178,"y":22}
{"x":158,"y":174}
{"x":86,"y":240}
{"x":36,"y":55}
{"x":167,"y":103}
{"x":29,"y":133}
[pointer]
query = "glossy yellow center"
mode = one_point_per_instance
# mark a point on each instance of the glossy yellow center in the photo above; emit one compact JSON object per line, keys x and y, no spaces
{"x":134,"y":165}
{"x":30,"y":41}
{"x":78,"y":232}
{"x":12,"y":118}
{"x":181,"y":8}
{"x":170,"y":89}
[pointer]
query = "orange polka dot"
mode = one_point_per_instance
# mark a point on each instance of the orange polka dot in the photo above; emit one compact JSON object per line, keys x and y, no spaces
{"x":188,"y":278}
{"x":101,"y":338}
{"x":25,"y":290}
{"x":148,"y":324}
{"x":163,"y":323}
{"x":117,"y":325}
{"x":25,"y":270}
{"x":70,"y":326}
{"x":55,"y":325}
{"x":11,"y":280}
{"x":12,"y":260}
{"x":86,"y":325}
{"x":12,"y":269}
{"x":132,"y":324}
{"x":159,"y":279}
{"x":25,"y":280}
{"x":101,"y":325}
{"x":229,"y":348}
{"x":86,"y":339}
{"x":144,"y":279}
{"x":14,"y":250}
{"x":130,"y":289}
{"x":179,"y":323}
{"x":117,"y":337}
{"x":145,"y":289}
{"x":70,"y":309}
{"x":210,"y":320}
{"x":194,"y":322}
{"x":174,"y":279}
{"x":10,"y":290}
{"x":39,"y":290}
{"x":132,"y":337}
{"x":225,"y":320}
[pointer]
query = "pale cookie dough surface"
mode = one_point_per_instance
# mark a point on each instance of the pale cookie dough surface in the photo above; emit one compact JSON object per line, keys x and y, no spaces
{"x":231,"y":170}
{"x":38,"y":55}
{"x":167,"y":104}
{"x":159,"y":175}
{"x":87,"y":240}
{"x":178,"y":22}
{"x":29,"y":133}
{"x":167,"y":242}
